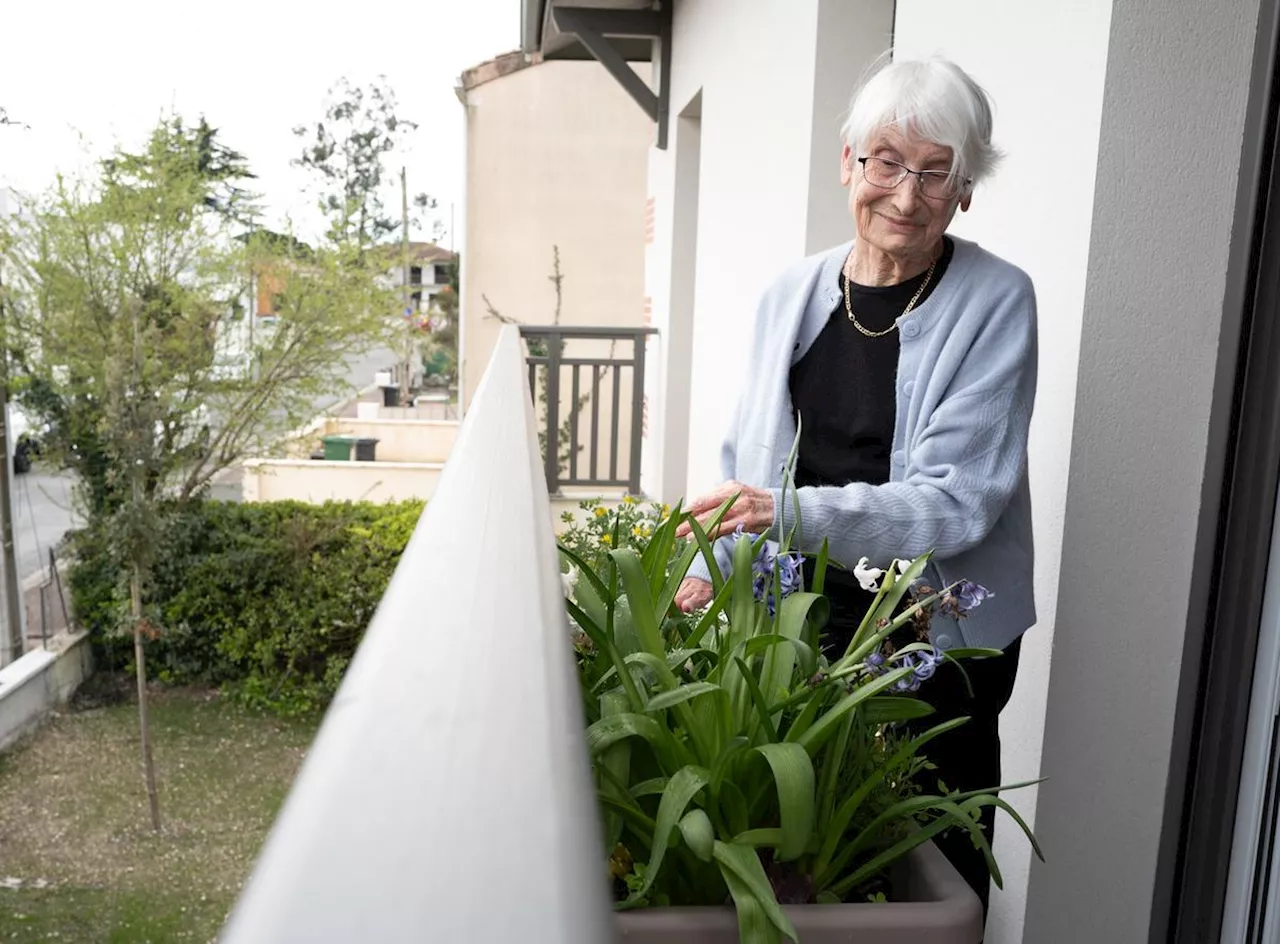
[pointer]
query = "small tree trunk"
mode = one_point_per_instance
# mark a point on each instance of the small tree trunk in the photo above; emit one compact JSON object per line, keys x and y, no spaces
{"x":144,"y":721}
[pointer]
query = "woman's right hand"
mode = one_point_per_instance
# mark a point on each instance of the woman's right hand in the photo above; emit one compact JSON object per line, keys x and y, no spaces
{"x":694,"y":594}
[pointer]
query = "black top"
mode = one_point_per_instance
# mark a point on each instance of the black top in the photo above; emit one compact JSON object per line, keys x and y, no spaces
{"x":843,"y":391}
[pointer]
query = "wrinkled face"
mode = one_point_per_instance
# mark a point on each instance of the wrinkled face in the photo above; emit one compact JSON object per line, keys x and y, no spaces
{"x":901,"y":222}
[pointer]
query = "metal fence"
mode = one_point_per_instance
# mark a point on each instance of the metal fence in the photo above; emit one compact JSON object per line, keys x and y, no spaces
{"x":447,"y":795}
{"x":602,"y":449}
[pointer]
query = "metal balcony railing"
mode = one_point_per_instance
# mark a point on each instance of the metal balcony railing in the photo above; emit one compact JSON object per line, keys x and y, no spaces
{"x":447,"y":796}
{"x":602,"y":449}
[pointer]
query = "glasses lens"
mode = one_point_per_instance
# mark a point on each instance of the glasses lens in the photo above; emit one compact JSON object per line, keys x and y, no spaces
{"x":942,"y":186}
{"x":881,"y":173}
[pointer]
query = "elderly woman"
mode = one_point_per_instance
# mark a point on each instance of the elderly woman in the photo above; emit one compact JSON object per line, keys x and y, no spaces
{"x":907,"y":358}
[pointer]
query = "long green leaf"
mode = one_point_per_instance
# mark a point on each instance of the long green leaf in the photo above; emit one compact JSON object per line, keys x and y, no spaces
{"x":877,"y":864}
{"x":708,"y":552}
{"x":681,"y":694}
{"x":711,"y":617}
{"x":1022,"y":823}
{"x":698,"y":833}
{"x":758,"y":699}
{"x":820,"y":568}
{"x":754,"y":926}
{"x":743,"y":864}
{"x":793,"y":775}
{"x":684,"y":785}
{"x":832,"y":764}
{"x":604,"y":643}
{"x":835,"y":829}
{"x":611,"y":730}
{"x":636,"y":588}
{"x":769,"y":837}
{"x":888,"y":709}
{"x":586,"y":573}
{"x":825,"y":726}
{"x":615,"y":763}
{"x":901,"y":810}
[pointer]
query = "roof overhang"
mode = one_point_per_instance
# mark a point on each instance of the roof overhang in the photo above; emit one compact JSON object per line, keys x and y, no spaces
{"x":613,"y":32}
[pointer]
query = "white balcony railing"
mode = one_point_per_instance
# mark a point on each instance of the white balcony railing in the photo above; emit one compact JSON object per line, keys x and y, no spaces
{"x":447,"y":796}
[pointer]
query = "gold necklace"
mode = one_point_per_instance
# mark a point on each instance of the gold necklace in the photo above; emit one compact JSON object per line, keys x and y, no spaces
{"x":848,"y":305}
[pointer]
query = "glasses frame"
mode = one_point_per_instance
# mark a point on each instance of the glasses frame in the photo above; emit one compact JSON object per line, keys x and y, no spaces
{"x":921,"y":175}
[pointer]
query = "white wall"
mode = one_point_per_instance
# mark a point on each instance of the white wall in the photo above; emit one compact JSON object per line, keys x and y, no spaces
{"x":761,"y":203}
{"x":1044,"y":64}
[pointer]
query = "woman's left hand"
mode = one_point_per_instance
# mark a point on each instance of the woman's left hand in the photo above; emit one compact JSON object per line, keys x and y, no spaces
{"x":753,"y":510}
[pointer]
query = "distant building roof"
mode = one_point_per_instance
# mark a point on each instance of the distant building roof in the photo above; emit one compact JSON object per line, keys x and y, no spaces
{"x":494,"y":68}
{"x":429,"y":252}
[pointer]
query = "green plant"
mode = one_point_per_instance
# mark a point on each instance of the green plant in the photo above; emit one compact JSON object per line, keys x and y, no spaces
{"x":731,"y":756}
{"x":600,"y":529}
{"x":268,"y":601}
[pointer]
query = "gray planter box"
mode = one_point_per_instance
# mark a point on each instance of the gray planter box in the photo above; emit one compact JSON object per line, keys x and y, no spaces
{"x":940,"y":909}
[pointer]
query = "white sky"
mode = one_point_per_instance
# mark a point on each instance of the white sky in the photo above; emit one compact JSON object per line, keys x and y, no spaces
{"x":86,"y":74}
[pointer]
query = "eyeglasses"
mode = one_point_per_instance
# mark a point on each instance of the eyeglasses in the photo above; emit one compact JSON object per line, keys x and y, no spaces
{"x":935,"y":184}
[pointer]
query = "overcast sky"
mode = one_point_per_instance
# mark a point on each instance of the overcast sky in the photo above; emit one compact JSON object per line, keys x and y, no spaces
{"x":86,"y":75}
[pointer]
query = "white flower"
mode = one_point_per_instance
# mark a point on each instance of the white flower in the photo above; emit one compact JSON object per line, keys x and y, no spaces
{"x":902,"y":564}
{"x":568,"y":582}
{"x":868,"y":576}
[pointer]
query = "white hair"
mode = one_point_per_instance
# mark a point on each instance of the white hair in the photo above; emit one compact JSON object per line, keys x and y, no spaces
{"x":933,"y":99}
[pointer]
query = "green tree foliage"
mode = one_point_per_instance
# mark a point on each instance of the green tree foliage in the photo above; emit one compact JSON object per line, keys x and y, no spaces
{"x":347,"y":151}
{"x":122,"y":292}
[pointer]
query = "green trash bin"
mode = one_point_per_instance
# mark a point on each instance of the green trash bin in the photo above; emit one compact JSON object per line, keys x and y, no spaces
{"x":338,"y":448}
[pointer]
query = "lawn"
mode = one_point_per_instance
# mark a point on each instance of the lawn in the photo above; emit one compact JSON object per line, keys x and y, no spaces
{"x":75,"y":838}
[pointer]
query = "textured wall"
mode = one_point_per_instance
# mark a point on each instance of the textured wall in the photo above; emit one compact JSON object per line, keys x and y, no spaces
{"x":1177,"y":83}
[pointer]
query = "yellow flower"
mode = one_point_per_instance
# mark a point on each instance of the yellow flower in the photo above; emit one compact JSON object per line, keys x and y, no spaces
{"x":606,"y":539}
{"x":629,"y":500}
{"x":601,"y":512}
{"x":637,"y":531}
{"x":666,"y":509}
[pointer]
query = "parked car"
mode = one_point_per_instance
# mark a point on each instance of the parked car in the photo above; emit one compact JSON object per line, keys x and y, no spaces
{"x":26,"y":448}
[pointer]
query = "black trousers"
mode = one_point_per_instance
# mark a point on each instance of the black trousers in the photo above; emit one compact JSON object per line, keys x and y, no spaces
{"x":967,"y":758}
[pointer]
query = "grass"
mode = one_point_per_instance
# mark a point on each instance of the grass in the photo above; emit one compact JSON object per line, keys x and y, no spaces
{"x":75,"y":834}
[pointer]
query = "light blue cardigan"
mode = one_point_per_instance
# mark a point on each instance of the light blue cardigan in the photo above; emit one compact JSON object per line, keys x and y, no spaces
{"x":958,"y":471}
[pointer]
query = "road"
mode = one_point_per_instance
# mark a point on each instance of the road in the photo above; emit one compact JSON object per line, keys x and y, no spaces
{"x":42,"y":514}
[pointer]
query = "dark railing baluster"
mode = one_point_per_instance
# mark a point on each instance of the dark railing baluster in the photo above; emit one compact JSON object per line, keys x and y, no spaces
{"x":595,"y":419}
{"x":553,"y":338}
{"x":553,"y":413}
{"x":573,"y":428}
{"x":637,"y":413}
{"x":614,"y":429}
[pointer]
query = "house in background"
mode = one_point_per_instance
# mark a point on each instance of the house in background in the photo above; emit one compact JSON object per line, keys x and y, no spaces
{"x":1147,"y":692}
{"x":557,"y":164}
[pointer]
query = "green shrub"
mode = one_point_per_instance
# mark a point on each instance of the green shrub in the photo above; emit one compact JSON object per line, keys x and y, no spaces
{"x":267,"y":600}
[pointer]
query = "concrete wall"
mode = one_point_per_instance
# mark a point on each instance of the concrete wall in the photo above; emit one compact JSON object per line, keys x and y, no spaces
{"x":398,"y":440}
{"x":39,"y":682}
{"x":1149,"y":348}
{"x":312,"y":480}
{"x":556,"y":156}
{"x":1044,"y":64}
{"x":762,"y":182}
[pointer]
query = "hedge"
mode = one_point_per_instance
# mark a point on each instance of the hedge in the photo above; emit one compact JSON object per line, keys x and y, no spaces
{"x":267,"y":601}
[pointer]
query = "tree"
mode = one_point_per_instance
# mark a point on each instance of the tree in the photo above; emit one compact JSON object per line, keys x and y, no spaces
{"x":123,"y":304}
{"x":346,"y":151}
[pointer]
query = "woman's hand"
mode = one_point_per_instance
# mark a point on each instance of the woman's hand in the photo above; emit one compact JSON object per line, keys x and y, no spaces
{"x":753,"y":510}
{"x":694,"y":594}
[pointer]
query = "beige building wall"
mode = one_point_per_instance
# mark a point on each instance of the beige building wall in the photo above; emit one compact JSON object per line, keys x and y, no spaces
{"x":557,"y":156}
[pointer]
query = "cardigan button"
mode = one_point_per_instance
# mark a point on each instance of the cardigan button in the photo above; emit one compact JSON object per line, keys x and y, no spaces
{"x":909,"y":387}
{"x":899,"y":457}
{"x":910,"y":330}
{"x":943,"y":641}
